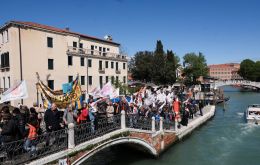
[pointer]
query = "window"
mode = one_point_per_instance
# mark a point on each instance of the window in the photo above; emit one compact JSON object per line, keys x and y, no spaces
{"x":50,"y":42}
{"x":92,"y":50}
{"x":89,"y":80}
{"x":117,"y":79}
{"x":123,"y":65}
{"x":74,"y":44}
{"x":9,"y":83}
{"x":124,"y":79}
{"x":81,"y":45}
{"x":70,"y":60}
{"x":106,"y":64}
{"x":100,"y":65}
{"x":5,"y":60}
{"x":106,"y":79}
{"x":70,"y":79}
{"x":50,"y":64}
{"x":51,"y":84}
{"x":100,"y":50}
{"x":101,"y":81}
{"x":112,"y":65}
{"x":112,"y":79}
{"x":82,"y":80}
{"x":82,"y":61}
{"x":116,"y":65}
{"x":89,"y":63}
{"x":108,"y":49}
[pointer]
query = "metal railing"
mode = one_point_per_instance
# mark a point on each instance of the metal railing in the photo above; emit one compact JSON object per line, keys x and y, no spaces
{"x":18,"y":153}
{"x":168,"y":125}
{"x":91,"y":130}
{"x":138,"y":122}
{"x":82,"y":51}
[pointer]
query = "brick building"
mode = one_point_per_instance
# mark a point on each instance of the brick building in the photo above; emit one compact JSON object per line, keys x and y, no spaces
{"x":227,"y":71}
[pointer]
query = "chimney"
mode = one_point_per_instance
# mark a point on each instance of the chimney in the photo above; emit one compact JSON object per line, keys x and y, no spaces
{"x":67,"y":29}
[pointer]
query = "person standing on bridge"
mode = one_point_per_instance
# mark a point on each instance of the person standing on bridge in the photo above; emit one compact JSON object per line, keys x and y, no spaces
{"x":176,"y":110}
{"x":52,"y":118}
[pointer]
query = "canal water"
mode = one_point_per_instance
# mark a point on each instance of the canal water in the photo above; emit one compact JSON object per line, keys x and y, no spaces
{"x":224,"y":140}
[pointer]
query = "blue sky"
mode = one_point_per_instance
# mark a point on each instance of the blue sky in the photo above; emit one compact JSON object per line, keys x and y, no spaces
{"x":223,"y":30}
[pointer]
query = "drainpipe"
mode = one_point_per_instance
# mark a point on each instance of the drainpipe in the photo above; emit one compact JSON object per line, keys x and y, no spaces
{"x":21,"y":60}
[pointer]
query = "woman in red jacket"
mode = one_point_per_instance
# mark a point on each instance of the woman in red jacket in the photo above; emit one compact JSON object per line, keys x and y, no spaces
{"x":83,"y":116}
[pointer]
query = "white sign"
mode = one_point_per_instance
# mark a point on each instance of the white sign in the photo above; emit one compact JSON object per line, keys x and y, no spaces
{"x":15,"y":93}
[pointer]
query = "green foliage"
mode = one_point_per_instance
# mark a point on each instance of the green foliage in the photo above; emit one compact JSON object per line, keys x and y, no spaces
{"x":250,"y":70}
{"x":156,"y":66}
{"x":172,"y":63}
{"x":159,"y":61}
{"x":141,"y":66}
{"x":195,"y":66}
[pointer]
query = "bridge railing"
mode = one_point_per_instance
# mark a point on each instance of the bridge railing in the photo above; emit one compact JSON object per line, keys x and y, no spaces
{"x":22,"y":151}
{"x":91,"y":130}
{"x":168,"y":125}
{"x":138,"y":122}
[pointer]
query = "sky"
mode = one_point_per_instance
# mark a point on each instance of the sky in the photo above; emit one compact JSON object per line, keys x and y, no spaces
{"x":223,"y":30}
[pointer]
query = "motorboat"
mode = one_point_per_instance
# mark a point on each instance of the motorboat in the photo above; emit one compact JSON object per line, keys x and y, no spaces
{"x":252,"y":114}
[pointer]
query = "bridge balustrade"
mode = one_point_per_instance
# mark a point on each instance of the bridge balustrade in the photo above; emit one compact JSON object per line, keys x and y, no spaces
{"x":138,"y":122}
{"x":91,"y":130}
{"x":48,"y":143}
{"x":52,"y":142}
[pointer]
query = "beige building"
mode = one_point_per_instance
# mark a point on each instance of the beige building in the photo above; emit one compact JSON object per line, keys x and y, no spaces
{"x":224,"y":71}
{"x":58,"y":55}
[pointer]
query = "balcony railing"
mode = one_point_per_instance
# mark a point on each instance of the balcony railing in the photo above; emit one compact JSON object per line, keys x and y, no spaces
{"x":5,"y":69}
{"x":82,"y":51}
{"x":102,"y":70}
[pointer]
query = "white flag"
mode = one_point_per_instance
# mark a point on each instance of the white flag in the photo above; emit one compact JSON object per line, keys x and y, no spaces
{"x":107,"y":90}
{"x":15,"y":93}
{"x":115,"y":93}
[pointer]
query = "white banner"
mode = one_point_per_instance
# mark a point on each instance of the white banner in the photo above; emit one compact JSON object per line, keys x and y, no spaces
{"x":15,"y":93}
{"x":107,"y":90}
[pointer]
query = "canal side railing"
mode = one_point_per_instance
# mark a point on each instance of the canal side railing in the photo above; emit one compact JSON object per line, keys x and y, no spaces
{"x":53,"y":142}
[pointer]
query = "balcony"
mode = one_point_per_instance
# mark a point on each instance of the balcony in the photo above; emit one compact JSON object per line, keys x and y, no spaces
{"x":101,"y":70}
{"x":4,"y":68}
{"x":94,"y":53}
{"x":118,"y":71}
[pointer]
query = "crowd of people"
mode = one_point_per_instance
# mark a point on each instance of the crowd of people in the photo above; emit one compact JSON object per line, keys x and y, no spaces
{"x":28,"y":123}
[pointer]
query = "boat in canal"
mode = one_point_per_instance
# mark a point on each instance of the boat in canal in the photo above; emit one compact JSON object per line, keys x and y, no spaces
{"x":252,"y":113}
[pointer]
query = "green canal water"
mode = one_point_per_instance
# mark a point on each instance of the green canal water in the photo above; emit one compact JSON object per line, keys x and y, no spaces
{"x":224,"y":140}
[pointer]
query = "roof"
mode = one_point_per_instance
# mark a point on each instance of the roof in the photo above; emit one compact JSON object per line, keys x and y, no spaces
{"x":58,"y":30}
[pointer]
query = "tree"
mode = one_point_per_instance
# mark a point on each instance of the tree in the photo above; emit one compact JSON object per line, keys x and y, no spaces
{"x":195,"y":66}
{"x":140,"y":66}
{"x":246,"y":69}
{"x":250,"y":70}
{"x":158,"y":67}
{"x":172,"y":63}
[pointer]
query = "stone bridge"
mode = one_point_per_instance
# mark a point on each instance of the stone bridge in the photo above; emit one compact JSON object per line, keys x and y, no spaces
{"x":218,"y":84}
{"x":78,"y":143}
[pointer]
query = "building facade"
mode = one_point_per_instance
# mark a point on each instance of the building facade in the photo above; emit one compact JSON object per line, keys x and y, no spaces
{"x":225,"y":71}
{"x":58,"y":55}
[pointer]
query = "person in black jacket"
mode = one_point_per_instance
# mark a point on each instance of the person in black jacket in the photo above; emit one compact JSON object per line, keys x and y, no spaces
{"x":52,"y":118}
{"x":20,"y":123}
{"x":9,"y":130}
